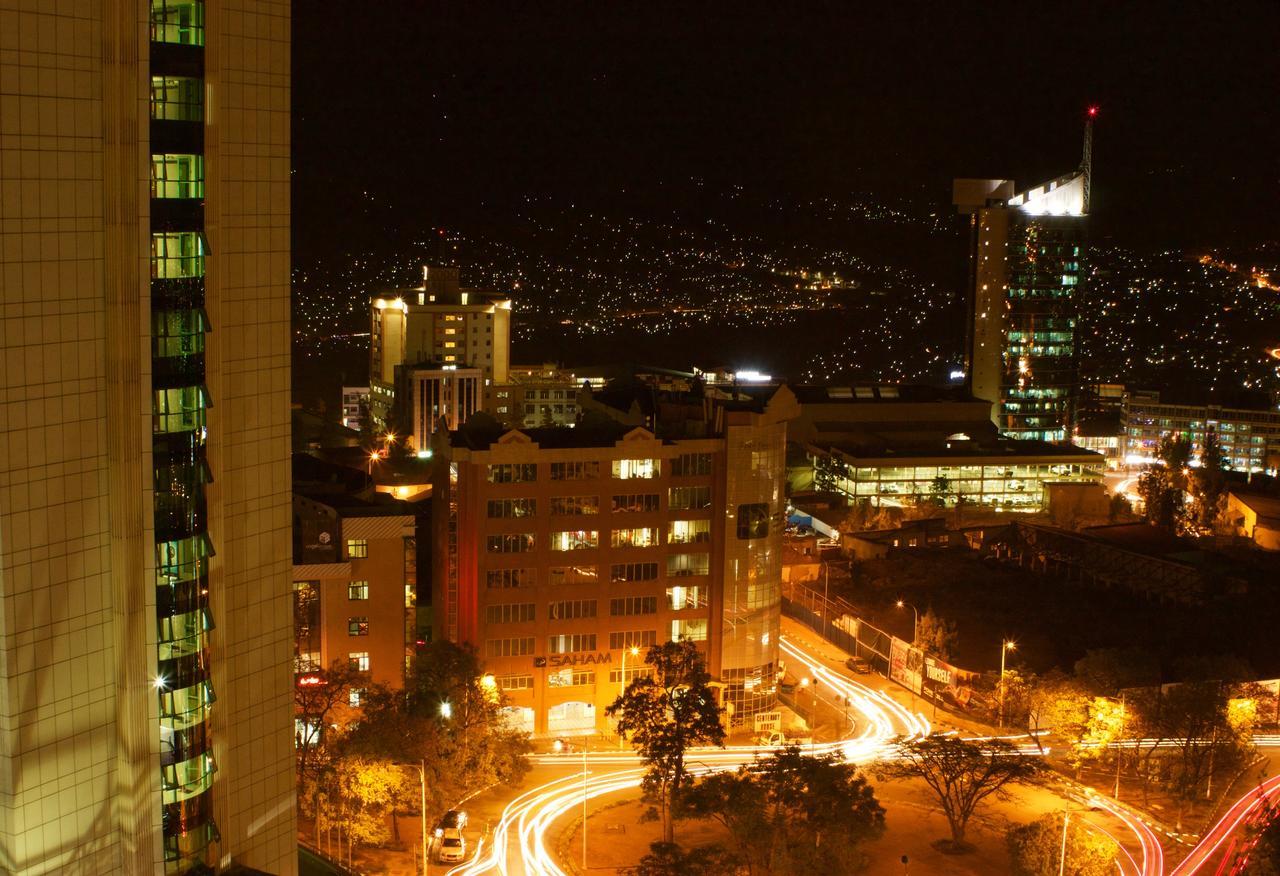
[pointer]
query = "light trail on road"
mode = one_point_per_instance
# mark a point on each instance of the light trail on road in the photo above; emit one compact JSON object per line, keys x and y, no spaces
{"x":882,"y":723}
{"x":1243,"y":809}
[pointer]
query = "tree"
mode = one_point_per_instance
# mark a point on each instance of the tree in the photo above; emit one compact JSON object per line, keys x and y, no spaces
{"x":792,"y":813}
{"x":360,"y":793}
{"x":1208,"y":485}
{"x":1118,"y":508}
{"x":1264,"y":858}
{"x":1162,"y":487}
{"x":1105,"y":671}
{"x":1036,"y":849}
{"x":1058,"y":703}
{"x":668,"y":859}
{"x":317,"y":696}
{"x":940,"y":488}
{"x":449,"y":718}
{"x":961,"y":774}
{"x":935,"y":635}
{"x":665,"y":714}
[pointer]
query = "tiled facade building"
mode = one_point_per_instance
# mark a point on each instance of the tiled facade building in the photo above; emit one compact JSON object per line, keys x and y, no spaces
{"x":559,"y":553}
{"x":145,"y":686}
{"x":355,"y":586}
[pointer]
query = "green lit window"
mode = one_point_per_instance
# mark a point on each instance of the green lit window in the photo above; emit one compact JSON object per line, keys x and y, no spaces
{"x":178,"y":332}
{"x":180,"y":22}
{"x":177,"y":255}
{"x":177,"y":98}
{"x":179,"y":410}
{"x":177,"y":175}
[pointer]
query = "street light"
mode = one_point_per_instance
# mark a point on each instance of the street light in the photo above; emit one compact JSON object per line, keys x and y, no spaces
{"x":813,"y":716}
{"x":422,"y":778}
{"x":1006,"y":646}
{"x":634,"y":651}
{"x":446,"y":709}
{"x":915,"y":622}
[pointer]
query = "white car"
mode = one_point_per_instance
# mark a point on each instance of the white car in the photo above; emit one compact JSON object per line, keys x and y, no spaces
{"x":452,"y":847}
{"x":777,"y":737}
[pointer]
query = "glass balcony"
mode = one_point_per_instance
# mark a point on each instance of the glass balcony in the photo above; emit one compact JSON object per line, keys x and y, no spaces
{"x":185,"y":707}
{"x":182,"y":781}
{"x":182,"y":635}
{"x":180,"y":514}
{"x":177,"y":99}
{"x":177,"y":175}
{"x":177,"y":22}
{"x":180,"y":745}
{"x":177,"y":255}
{"x":180,"y":409}
{"x":170,"y":293}
{"x":184,"y":559}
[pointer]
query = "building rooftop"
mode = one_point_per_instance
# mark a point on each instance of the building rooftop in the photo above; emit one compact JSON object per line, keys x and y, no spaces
{"x":482,"y":431}
{"x":1266,"y":507}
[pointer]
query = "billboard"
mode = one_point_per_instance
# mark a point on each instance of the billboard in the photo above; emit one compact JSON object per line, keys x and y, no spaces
{"x":906,"y":664}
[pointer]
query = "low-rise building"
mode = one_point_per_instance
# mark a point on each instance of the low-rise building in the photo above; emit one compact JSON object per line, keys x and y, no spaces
{"x":918,"y":446}
{"x":1256,"y":517}
{"x":1249,"y":437}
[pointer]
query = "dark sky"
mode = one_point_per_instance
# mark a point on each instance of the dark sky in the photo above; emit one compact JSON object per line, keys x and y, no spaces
{"x":450,"y":114}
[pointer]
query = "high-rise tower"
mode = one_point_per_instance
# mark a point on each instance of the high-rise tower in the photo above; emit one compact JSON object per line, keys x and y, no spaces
{"x":146,"y":709}
{"x":1026,"y":265}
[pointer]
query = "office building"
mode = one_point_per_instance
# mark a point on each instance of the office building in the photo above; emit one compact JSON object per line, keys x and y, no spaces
{"x":355,"y":584}
{"x":558,"y":551}
{"x":355,"y":407}
{"x":907,"y":445}
{"x":147,"y":694}
{"x":1026,"y":266}
{"x":434,"y":395}
{"x":537,"y":395}
{"x":439,"y":321}
{"x":1248,"y":437}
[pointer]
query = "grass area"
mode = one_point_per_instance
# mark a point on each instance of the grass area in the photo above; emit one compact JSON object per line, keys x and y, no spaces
{"x":1055,"y":622}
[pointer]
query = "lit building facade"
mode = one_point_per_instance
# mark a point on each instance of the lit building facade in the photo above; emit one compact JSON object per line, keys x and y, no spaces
{"x":439,"y":321}
{"x":355,"y":585}
{"x":1027,"y":253}
{"x":890,"y":445}
{"x":438,"y":394}
{"x":355,"y":407}
{"x":147,"y":691}
{"x":558,"y":551}
{"x":1249,"y":438}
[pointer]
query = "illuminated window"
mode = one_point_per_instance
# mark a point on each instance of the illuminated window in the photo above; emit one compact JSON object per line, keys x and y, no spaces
{"x":358,"y":661}
{"x":569,"y":643}
{"x":179,"y":22}
{"x":177,"y":98}
{"x":357,"y":548}
{"x":572,"y":575}
{"x":569,"y":677}
{"x":178,"y":175}
{"x":636,"y":468}
{"x":177,"y":255}
{"x":515,"y":682}
{"x":574,"y":505}
{"x":353,"y":697}
{"x":640,"y":537}
{"x":695,"y":629}
{"x":358,"y":626}
{"x":689,"y":531}
{"x":681,"y":598}
{"x":575,"y":540}
{"x":357,"y":590}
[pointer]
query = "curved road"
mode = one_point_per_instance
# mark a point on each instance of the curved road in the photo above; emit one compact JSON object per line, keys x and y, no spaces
{"x":518,"y":844}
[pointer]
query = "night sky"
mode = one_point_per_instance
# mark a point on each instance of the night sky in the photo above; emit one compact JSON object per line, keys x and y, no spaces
{"x":451,"y":115}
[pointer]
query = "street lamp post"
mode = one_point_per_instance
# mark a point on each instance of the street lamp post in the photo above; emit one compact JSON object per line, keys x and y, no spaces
{"x":1005,"y":647}
{"x":915,"y":620}
{"x":422,"y":779}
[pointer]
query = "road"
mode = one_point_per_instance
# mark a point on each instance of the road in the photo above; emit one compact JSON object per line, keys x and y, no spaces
{"x":518,"y":844}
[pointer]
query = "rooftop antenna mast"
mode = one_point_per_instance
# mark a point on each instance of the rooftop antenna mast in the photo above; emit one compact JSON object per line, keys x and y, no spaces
{"x":1086,"y":161}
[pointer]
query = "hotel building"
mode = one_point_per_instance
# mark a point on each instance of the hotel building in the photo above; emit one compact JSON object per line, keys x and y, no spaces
{"x":146,"y":698}
{"x":561,"y":553}
{"x":439,"y":321}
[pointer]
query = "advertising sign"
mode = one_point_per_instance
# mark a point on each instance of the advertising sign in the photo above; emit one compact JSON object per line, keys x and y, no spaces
{"x":906,"y":664}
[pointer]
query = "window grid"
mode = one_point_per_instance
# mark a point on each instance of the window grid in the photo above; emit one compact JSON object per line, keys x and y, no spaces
{"x":568,"y":643}
{"x":628,"y":605}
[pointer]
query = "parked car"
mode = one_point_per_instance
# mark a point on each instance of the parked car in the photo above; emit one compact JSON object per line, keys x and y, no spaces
{"x":452,"y":847}
{"x":455,"y":818}
{"x":859,"y":665}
